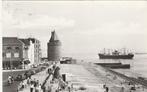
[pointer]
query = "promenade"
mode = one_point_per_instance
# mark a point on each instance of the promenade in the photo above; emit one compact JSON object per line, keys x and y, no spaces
{"x":41,"y":76}
{"x":82,"y":78}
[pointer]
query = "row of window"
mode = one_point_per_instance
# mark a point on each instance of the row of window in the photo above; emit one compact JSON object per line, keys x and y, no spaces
{"x":10,"y":55}
{"x":9,"y":48}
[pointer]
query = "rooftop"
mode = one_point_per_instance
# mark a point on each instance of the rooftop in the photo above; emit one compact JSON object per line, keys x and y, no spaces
{"x":11,"y":40}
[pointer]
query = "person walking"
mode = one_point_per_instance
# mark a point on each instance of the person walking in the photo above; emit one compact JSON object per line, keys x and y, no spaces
{"x":107,"y":89}
{"x":31,"y":87}
{"x":39,"y":88}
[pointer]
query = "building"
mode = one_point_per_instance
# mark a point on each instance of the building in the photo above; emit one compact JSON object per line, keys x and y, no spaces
{"x":19,"y":53}
{"x":35,"y":51}
{"x":12,"y":52}
{"x":54,"y":48}
{"x":32,"y":51}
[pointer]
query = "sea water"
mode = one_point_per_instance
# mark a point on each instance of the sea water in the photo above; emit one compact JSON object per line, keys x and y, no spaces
{"x":138,"y":63}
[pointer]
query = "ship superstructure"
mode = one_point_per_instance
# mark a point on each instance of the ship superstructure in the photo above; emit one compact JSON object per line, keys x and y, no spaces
{"x":115,"y":54}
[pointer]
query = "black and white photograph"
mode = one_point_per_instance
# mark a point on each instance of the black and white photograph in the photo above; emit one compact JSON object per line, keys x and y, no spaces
{"x":74,"y":46}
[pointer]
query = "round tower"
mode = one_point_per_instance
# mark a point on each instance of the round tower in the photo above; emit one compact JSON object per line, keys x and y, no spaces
{"x":54,"y":48}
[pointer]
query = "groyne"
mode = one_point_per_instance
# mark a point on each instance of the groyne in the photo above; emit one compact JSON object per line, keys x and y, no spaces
{"x":131,"y":79}
{"x":128,"y":78}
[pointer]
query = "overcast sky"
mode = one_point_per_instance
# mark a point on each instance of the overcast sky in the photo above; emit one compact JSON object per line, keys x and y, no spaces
{"x":83,"y":27}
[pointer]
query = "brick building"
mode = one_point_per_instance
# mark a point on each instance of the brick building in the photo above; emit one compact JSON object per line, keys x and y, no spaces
{"x":12,"y":52}
{"x":18,"y":53}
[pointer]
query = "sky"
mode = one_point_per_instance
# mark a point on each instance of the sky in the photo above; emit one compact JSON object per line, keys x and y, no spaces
{"x":84,"y":27}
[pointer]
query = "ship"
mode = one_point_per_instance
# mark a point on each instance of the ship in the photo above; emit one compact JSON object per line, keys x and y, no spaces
{"x":116,"y":55}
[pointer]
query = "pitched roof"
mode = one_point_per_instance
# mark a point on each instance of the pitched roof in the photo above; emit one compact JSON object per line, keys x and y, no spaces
{"x":11,"y":40}
{"x":25,"y":41}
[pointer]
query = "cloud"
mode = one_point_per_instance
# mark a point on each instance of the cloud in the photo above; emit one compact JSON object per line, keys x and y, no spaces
{"x":31,"y":21}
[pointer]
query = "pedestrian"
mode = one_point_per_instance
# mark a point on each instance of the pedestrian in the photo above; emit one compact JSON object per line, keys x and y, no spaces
{"x":107,"y":89}
{"x":12,"y":79}
{"x":31,"y":87}
{"x":28,"y":81}
{"x":9,"y":79}
{"x":104,"y":86}
{"x":39,"y":88}
{"x":23,"y":84}
{"x":49,"y":88}
{"x":122,"y":89}
{"x":37,"y":82}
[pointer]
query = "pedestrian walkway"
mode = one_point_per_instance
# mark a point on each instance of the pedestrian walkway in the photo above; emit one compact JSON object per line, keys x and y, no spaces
{"x":81,"y":78}
{"x":41,"y":76}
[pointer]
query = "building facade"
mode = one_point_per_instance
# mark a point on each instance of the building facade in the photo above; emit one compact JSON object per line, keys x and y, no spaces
{"x":32,"y":51}
{"x":18,"y":53}
{"x":54,"y":48}
{"x":35,"y":51}
{"x":12,"y":52}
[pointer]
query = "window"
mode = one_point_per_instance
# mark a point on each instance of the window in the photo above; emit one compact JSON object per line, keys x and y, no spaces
{"x":9,"y":48}
{"x":8,"y":55}
{"x":16,"y":55}
{"x":17,"y":48}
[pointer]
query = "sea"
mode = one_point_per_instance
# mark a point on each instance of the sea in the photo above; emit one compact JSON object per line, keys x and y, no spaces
{"x":138,"y":63}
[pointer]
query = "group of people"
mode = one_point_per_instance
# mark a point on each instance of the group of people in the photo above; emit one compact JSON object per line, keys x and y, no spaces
{"x":34,"y":85}
{"x":57,"y":83}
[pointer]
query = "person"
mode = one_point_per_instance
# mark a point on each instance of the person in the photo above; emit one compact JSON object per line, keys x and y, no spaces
{"x":28,"y":81}
{"x":26,"y":75}
{"x":122,"y":89}
{"x":37,"y":82}
{"x":39,"y":88}
{"x":12,"y":79}
{"x":104,"y":86}
{"x":23,"y":84}
{"x":107,"y":89}
{"x":31,"y":87}
{"x":49,"y":88}
{"x":56,"y":74}
{"x":9,"y":79}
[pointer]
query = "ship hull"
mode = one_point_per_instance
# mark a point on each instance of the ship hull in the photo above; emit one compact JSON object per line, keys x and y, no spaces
{"x":102,"y":56}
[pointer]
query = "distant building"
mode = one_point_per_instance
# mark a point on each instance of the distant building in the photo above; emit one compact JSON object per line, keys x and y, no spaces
{"x":54,"y":48}
{"x":12,"y":52}
{"x":20,"y":52}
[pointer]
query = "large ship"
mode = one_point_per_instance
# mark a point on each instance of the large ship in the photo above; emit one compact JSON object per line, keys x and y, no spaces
{"x":116,"y":55}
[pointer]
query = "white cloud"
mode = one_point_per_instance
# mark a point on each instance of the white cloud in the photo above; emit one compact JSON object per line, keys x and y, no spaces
{"x":30,"y":21}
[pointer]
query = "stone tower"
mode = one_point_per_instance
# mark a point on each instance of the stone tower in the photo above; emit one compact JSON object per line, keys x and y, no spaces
{"x":54,"y":48}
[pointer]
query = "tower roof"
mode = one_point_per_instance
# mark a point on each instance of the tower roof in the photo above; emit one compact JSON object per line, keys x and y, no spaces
{"x":53,"y":37}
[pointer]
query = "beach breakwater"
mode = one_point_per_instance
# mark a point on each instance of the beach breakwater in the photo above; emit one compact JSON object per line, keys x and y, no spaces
{"x":130,"y":79}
